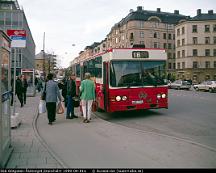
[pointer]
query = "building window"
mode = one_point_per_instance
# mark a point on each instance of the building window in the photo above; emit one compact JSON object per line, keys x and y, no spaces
{"x":195,"y":40}
{"x":155,"y":35}
{"x":214,"y":64}
{"x":174,"y":55}
{"x":156,"y":45}
{"x":214,"y":40}
{"x":131,"y":37}
{"x":141,"y":34}
{"x":164,"y":35}
{"x":173,"y":36}
{"x":207,"y":40}
{"x":194,"y":28}
{"x":207,"y":64}
{"x":174,"y":66}
{"x":178,"y":54}
{"x":183,"y":65}
{"x":142,"y":42}
{"x":170,"y":65}
{"x":169,"y":55}
{"x":214,"y":27}
{"x":195,"y":52}
{"x":183,"y":53}
{"x":207,"y":52}
{"x":183,"y":42}
{"x":141,"y":24}
{"x":207,"y":28}
{"x":169,"y":46}
{"x":183,"y":30}
{"x":178,"y":65}
{"x":165,"y":45}
{"x":170,"y":36}
{"x":214,"y":52}
{"x":178,"y":32}
{"x":195,"y":64}
{"x":178,"y":43}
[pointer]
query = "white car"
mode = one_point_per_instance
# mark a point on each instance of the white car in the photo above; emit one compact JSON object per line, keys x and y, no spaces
{"x":206,"y":86}
{"x":180,"y":84}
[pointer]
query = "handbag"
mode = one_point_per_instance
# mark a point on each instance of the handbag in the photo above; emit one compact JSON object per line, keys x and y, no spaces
{"x":60,"y":109}
{"x":42,"y":107}
{"x":76,"y":101}
{"x":43,"y":97}
{"x":94,"y":106}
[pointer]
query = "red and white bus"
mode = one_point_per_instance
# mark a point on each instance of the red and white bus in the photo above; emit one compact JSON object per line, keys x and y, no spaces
{"x":127,"y":79}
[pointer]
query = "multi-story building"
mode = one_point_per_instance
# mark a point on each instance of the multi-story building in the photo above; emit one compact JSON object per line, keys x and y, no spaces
{"x":12,"y":17}
{"x":196,"y":47}
{"x":152,"y":29}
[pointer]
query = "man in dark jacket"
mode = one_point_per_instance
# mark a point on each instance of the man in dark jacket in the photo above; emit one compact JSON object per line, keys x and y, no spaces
{"x":25,"y":86}
{"x":71,"y":92}
{"x":19,"y":90}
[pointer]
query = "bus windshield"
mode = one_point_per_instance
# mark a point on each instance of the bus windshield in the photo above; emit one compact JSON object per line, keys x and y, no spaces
{"x":137,"y":73}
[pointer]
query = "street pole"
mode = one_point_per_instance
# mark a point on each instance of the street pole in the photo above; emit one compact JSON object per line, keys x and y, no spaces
{"x":14,"y":82}
{"x":44,"y":56}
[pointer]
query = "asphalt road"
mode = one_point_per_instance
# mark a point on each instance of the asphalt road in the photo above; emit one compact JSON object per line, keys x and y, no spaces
{"x":181,"y":137}
{"x":191,"y":116}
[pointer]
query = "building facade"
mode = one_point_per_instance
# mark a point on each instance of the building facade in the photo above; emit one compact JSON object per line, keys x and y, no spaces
{"x":196,"y":48}
{"x":13,"y":18}
{"x":45,"y":63}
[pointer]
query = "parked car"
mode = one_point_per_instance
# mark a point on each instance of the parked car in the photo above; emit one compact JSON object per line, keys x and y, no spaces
{"x":206,"y":86}
{"x":180,"y":84}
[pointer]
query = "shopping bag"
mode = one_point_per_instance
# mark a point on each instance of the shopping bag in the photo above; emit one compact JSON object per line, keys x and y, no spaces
{"x":42,"y":107}
{"x":60,"y":108}
{"x":43,"y":97}
{"x":94,"y":106}
{"x":76,"y":101}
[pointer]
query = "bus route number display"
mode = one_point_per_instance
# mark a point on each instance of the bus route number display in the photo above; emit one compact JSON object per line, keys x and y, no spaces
{"x":140,"y":54}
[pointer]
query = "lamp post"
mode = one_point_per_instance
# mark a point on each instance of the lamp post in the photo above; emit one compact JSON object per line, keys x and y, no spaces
{"x":44,"y":72}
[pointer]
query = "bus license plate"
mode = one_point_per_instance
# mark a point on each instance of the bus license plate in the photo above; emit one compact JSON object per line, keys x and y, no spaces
{"x":137,"y":102}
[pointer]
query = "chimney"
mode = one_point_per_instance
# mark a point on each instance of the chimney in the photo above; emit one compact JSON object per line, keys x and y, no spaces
{"x":211,"y":12}
{"x":199,"y":12}
{"x":158,"y":10}
{"x":139,"y":8}
{"x":176,"y":11}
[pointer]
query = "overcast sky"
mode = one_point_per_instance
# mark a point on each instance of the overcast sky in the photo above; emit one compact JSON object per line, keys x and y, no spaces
{"x":83,"y":22}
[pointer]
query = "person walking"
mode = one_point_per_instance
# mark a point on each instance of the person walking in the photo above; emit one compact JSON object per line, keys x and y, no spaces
{"x":52,"y":94}
{"x":25,"y":86}
{"x":87,"y":90}
{"x":64,"y":91}
{"x":19,"y":90}
{"x":71,"y":92}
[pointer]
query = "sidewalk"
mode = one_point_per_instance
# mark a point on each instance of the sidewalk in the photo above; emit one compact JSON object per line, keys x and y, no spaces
{"x":29,"y":150}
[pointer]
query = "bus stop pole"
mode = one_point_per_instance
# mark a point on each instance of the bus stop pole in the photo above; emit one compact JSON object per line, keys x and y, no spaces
{"x":14,"y":83}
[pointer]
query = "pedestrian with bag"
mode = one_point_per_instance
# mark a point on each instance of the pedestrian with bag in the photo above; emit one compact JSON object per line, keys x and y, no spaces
{"x":52,"y":95}
{"x":71,"y":92}
{"x":87,"y":90}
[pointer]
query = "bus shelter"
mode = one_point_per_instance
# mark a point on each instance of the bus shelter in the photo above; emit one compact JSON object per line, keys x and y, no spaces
{"x":5,"y":130}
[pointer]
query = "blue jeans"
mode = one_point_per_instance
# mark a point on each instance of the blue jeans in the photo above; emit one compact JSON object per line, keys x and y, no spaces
{"x":70,"y":106}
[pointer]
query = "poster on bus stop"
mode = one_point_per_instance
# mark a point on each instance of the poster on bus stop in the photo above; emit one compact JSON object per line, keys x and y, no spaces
{"x":18,"y":38}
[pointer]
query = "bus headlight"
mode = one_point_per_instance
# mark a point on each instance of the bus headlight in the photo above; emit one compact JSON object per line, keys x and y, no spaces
{"x":158,"y":96}
{"x":118,"y":98}
{"x":163,"y":96}
{"x":124,"y":98}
